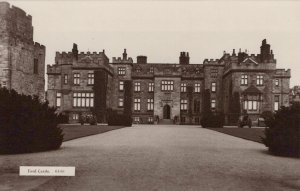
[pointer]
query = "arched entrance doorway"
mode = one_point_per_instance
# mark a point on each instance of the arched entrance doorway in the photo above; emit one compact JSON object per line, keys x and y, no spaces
{"x":167,"y":111}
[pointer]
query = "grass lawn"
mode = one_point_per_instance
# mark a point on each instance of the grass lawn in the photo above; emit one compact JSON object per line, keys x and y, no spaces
{"x":253,"y":134}
{"x":76,"y":131}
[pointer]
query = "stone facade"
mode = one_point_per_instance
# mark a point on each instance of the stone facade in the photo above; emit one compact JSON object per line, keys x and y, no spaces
{"x":295,"y":94}
{"x":22,"y":61}
{"x":173,"y":92}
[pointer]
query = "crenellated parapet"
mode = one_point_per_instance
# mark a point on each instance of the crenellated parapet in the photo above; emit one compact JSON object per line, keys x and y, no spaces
{"x":39,"y":46}
{"x":123,"y":60}
{"x":80,"y":58}
{"x":15,"y":22}
{"x":211,"y":61}
{"x":53,"y":70}
{"x":120,"y":60}
{"x":283,"y":73}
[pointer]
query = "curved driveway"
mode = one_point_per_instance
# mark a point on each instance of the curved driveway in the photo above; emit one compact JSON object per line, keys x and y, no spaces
{"x":165,"y":157}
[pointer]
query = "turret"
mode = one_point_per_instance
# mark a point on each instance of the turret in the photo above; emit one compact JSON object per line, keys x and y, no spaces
{"x":184,"y":58}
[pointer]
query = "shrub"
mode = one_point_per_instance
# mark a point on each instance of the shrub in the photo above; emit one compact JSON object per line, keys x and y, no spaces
{"x":283,"y":135}
{"x":28,"y":125}
{"x":268,"y":116}
{"x":213,"y":120}
{"x":114,"y":118}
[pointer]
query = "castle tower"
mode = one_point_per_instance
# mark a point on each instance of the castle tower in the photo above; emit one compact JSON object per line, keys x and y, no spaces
{"x":22,"y":61}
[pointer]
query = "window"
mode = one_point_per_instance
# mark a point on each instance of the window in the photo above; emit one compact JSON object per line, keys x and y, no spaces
{"x":213,"y":87}
{"x":4,"y":84}
{"x":35,"y":66}
{"x":137,"y":104}
{"x":183,"y":87}
{"x":167,"y":85}
{"x":121,"y":71}
{"x":150,"y":104}
{"x":136,"y":119}
{"x":76,"y":78}
{"x":137,"y":86}
{"x":58,"y":99}
{"x":251,"y":102}
{"x":244,"y":79}
{"x":75,"y":116}
{"x":197,"y":106}
{"x":276,"y":82}
{"x":150,"y":119}
{"x":151,"y":70}
{"x":66,"y":79}
{"x":213,"y":72}
{"x":121,"y":85}
{"x":151,"y":87}
{"x":138,"y":70}
{"x":121,"y":102}
{"x":213,"y":103}
{"x":259,"y":80}
{"x":83,"y":99}
{"x":197,"y":87}
{"x":276,"y":103}
{"x":183,"y":104}
{"x":90,"y":78}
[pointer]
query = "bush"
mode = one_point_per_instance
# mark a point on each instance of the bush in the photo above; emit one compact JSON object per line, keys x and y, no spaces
{"x":283,"y":135}
{"x":115,"y":118}
{"x":213,"y":120}
{"x":28,"y":125}
{"x":268,"y":116}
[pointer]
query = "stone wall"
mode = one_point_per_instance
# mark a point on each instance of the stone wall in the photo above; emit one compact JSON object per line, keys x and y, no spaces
{"x":19,"y":52}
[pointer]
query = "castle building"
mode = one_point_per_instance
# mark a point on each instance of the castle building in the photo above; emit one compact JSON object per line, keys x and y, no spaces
{"x":169,"y":92}
{"x":22,"y":61}
{"x":295,"y":94}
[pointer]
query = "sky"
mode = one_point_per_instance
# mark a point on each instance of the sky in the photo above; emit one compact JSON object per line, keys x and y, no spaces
{"x":162,"y":29}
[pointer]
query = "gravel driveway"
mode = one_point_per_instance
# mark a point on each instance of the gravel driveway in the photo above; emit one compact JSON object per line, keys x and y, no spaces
{"x":147,"y":157}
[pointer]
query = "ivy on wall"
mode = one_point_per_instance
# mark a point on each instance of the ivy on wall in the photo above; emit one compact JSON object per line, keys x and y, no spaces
{"x":128,"y":97}
{"x":100,"y":91}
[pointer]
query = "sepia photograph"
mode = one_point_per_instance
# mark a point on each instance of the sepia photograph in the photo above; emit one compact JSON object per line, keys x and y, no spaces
{"x":150,"y":95}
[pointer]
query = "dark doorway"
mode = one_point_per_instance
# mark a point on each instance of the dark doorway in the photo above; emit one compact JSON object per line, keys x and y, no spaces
{"x":167,"y":111}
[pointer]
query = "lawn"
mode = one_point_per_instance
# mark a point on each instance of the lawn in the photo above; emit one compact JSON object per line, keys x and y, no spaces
{"x":77,"y":131}
{"x":253,"y":134}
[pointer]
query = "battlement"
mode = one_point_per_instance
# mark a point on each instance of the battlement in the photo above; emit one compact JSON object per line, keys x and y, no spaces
{"x":283,"y":72}
{"x":5,"y":7}
{"x":81,"y":54}
{"x":53,"y":69}
{"x":121,"y":60}
{"x":211,"y":61}
{"x":39,"y":46}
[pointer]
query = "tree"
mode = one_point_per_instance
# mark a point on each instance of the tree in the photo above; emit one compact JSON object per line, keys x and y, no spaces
{"x":282,"y":136}
{"x":190,"y":97}
{"x":27,"y":124}
{"x":235,"y":108}
{"x":206,"y":102}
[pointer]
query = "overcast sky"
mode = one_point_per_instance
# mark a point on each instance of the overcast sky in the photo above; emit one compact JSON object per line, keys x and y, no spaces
{"x":161,"y":30}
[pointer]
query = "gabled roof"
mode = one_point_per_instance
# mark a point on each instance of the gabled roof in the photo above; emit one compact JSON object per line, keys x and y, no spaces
{"x":250,"y":60}
{"x":251,"y":90}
